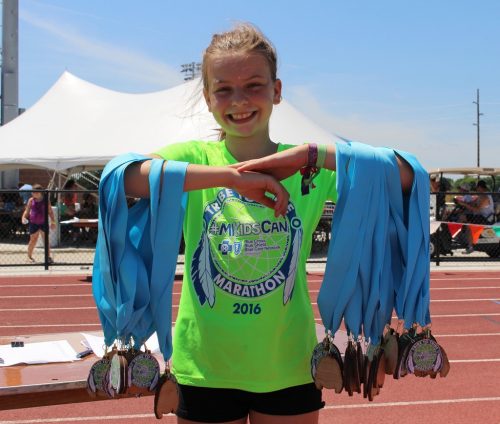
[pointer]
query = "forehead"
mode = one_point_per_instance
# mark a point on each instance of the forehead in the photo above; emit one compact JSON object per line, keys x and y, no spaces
{"x":237,"y":67}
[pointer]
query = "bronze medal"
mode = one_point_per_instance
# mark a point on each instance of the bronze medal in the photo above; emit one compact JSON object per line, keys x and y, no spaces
{"x":166,"y":395}
{"x":390,"y":345}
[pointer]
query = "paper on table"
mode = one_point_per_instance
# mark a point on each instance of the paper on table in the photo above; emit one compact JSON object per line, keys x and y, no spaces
{"x":96,"y":343}
{"x":37,"y":353}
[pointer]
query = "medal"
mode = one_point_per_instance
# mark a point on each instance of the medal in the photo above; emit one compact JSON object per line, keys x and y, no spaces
{"x":143,"y":372}
{"x":166,"y":395}
{"x":327,"y":367}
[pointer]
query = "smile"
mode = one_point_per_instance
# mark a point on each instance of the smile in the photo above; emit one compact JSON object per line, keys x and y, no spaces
{"x":241,"y":117}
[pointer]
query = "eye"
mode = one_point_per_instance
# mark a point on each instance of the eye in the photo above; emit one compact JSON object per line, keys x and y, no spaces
{"x":255,"y":86}
{"x":222,"y":90}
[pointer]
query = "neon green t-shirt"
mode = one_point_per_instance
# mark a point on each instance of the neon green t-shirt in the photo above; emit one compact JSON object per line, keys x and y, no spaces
{"x":245,"y":319}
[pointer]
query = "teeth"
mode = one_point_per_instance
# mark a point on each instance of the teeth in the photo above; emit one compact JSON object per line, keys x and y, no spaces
{"x":238,"y":116}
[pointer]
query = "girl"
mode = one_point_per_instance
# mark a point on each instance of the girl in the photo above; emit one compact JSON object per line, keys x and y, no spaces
{"x":245,"y":329}
{"x":35,"y":215}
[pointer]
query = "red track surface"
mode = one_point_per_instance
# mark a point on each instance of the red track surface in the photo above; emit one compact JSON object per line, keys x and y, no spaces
{"x":465,"y":308}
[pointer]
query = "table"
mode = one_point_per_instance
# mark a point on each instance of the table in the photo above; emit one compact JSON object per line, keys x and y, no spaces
{"x":26,"y":386}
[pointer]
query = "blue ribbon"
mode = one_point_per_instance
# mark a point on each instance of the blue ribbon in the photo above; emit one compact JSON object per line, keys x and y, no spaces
{"x":134,"y":267}
{"x":378,"y":258}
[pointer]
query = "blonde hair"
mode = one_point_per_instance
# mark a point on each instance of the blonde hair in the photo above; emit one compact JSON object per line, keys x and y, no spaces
{"x":244,"y":38}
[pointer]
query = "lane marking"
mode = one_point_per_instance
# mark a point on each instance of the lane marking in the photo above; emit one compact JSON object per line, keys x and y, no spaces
{"x":471,"y":361}
{"x":45,"y":285}
{"x":413,"y":403}
{"x":444,"y":316}
{"x":458,"y":278}
{"x":494,"y":300}
{"x":47,"y":325}
{"x":468,"y":335}
{"x":442,"y":288}
{"x":48,"y":295}
{"x":80,"y":419}
{"x":57,"y":309}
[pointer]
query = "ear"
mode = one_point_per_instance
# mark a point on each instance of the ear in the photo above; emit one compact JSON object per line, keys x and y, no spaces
{"x":207,"y":99}
{"x":277,"y":92}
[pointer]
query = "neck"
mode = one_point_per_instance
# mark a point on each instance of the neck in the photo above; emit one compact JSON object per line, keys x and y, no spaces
{"x":246,"y":148}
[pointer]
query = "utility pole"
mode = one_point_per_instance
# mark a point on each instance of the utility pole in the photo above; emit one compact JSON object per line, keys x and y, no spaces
{"x":9,"y":76}
{"x":478,"y":114}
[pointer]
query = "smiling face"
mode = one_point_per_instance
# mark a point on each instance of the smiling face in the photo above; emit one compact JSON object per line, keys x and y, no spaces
{"x":241,"y":93}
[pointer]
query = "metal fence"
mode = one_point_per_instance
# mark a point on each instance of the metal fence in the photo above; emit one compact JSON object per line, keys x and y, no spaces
{"x":71,"y":237}
{"x":455,"y":234}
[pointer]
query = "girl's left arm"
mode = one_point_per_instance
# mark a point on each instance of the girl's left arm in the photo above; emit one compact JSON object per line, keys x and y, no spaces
{"x":283,"y":164}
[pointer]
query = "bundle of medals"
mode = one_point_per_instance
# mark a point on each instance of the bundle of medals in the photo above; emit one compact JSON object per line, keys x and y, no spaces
{"x":363,"y":368}
{"x":128,"y":372}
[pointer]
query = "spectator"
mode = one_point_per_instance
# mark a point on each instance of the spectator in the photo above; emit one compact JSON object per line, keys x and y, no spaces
{"x":25,"y":195}
{"x":89,"y":206}
{"x":480,"y":211}
{"x":34,"y":216}
{"x":69,"y":200}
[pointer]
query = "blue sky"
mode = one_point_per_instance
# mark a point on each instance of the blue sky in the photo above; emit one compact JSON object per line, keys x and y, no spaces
{"x":394,"y":73}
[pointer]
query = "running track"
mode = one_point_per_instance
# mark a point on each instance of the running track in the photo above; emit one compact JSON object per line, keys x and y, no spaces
{"x":465,"y":308}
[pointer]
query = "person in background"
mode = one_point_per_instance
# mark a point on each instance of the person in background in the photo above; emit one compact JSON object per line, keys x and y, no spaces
{"x":69,"y":200}
{"x":34,"y":216}
{"x":89,"y":206}
{"x":25,"y":195}
{"x":480,"y":210}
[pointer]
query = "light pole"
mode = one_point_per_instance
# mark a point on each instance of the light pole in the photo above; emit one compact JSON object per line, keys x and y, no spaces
{"x":191,"y":70}
{"x":478,"y":114}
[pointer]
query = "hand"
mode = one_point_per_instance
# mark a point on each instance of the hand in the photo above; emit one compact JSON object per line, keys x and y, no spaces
{"x":280,"y":165}
{"x":254,"y":185}
{"x":24,"y":220}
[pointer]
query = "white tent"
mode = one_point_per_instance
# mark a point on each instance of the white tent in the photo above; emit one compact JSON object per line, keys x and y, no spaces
{"x":77,"y":124}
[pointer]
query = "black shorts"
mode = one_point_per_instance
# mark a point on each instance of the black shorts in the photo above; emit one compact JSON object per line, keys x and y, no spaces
{"x":209,"y":405}
{"x":33,"y":228}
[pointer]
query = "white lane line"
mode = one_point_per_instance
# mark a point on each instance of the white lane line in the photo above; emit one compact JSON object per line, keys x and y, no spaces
{"x":413,"y":403}
{"x":44,"y":296}
{"x":48,"y":309}
{"x":2,"y":286}
{"x":443,"y":288}
{"x":51,"y":295}
{"x":468,"y":335}
{"x":458,"y":278}
{"x":493,"y":299}
{"x":466,"y":288}
{"x":444,"y":316}
{"x":80,"y":419}
{"x":461,"y":315}
{"x":55,"y":309}
{"x":472,"y":361}
{"x":466,"y":300}
{"x":48,"y":325}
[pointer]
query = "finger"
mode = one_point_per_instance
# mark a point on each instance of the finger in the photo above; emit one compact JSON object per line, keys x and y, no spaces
{"x":267,"y":201}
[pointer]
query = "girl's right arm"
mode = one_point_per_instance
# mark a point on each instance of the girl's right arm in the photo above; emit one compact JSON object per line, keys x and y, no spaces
{"x":249,"y":184}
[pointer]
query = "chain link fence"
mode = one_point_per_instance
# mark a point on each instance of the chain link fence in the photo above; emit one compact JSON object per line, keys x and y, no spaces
{"x":457,"y":234}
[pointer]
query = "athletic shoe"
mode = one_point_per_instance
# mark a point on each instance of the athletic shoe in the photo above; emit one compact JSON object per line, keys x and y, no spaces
{"x":469,"y":250}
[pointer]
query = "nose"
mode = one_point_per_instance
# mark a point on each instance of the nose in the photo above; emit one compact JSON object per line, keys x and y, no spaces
{"x":239,"y":98}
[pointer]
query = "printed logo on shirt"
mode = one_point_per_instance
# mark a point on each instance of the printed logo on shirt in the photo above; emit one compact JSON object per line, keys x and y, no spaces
{"x":244,"y":250}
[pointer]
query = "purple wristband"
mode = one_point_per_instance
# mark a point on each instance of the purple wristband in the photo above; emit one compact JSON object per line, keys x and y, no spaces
{"x":312,"y":155}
